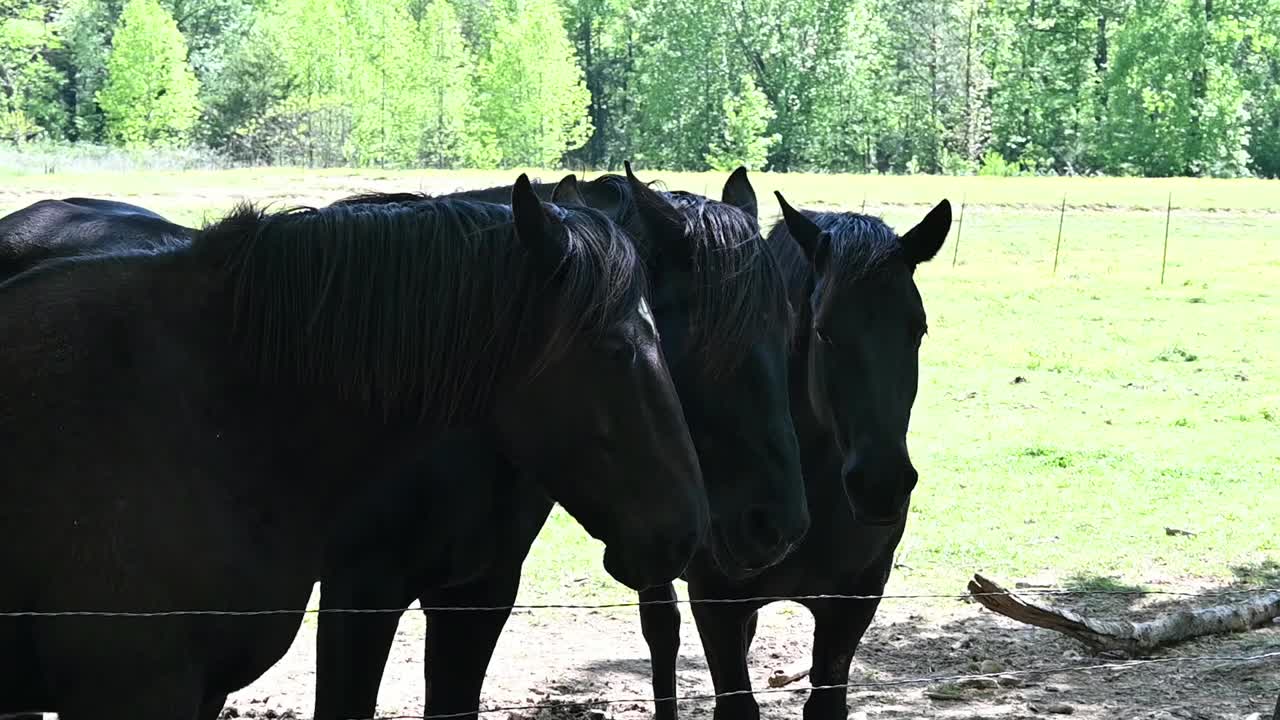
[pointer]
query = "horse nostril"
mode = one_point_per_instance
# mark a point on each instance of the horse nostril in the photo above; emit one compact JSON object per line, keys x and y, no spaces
{"x":762,"y":531}
{"x":853,"y":481}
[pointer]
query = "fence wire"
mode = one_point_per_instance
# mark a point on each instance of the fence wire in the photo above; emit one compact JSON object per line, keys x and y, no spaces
{"x":763,"y":599}
{"x":927,"y":680}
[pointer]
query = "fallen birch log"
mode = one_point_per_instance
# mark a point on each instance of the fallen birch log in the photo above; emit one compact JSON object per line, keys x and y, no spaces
{"x":782,"y":679}
{"x":1123,"y":636}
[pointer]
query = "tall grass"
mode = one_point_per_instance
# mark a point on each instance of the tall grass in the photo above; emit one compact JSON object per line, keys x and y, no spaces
{"x":48,"y":158}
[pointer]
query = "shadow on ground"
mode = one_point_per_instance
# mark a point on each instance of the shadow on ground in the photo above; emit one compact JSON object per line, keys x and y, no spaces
{"x":902,"y":647}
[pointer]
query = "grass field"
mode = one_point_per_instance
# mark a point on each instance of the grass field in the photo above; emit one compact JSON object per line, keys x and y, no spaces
{"x":1064,"y":420}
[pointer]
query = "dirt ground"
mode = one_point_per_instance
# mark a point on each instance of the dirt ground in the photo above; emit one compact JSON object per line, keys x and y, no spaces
{"x":558,"y":657}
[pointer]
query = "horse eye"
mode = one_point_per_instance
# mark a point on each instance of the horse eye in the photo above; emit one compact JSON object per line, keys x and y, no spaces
{"x":628,"y":352}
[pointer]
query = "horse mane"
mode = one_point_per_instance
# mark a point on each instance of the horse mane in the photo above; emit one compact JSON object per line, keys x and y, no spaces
{"x":740,"y":294}
{"x":862,"y":246}
{"x":414,"y":309}
{"x":498,"y":194}
{"x":740,"y":291}
{"x":377,"y":198}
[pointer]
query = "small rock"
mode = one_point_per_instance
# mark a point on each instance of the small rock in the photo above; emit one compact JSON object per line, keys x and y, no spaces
{"x":229,"y":713}
{"x":596,"y":715}
{"x":271,"y":714}
{"x":962,"y":644}
{"x":1053,"y":708}
{"x":991,"y":666}
{"x":948,"y":691}
{"x":288,"y":715}
{"x":251,"y":713}
{"x":1054,"y":688}
{"x":1019,"y":380}
{"x":1009,"y":681}
{"x":979,"y":683}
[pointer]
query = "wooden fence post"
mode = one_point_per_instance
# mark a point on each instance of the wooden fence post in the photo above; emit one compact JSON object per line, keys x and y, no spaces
{"x":1058,"y":247}
{"x":1164,"y":256}
{"x":955,"y":254}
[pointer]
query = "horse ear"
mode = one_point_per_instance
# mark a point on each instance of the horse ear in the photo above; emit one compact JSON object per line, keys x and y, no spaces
{"x":533,"y":227}
{"x":924,"y":241}
{"x":567,"y":192}
{"x":659,"y":216}
{"x":739,"y":193}
{"x":813,"y":240}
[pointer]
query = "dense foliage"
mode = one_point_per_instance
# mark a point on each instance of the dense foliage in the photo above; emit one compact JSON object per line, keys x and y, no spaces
{"x":1144,"y":87}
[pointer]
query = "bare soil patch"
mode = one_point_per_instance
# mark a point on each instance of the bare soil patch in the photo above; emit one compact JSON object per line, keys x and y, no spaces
{"x":562,"y":657}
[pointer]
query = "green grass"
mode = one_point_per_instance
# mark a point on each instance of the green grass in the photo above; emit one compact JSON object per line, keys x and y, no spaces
{"x":1143,"y":405}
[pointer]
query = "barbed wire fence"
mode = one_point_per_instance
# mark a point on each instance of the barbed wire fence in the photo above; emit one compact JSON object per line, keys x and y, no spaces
{"x":1108,"y":666}
{"x":530,"y":607}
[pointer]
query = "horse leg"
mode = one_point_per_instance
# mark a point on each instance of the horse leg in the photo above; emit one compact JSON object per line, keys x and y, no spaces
{"x":352,"y":648}
{"x":460,"y":643}
{"x":723,"y":629}
{"x":838,"y":628}
{"x":660,"y":624}
{"x":212,"y":707}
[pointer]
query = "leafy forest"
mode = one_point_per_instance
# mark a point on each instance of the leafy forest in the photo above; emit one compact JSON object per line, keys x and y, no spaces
{"x":1119,"y":87}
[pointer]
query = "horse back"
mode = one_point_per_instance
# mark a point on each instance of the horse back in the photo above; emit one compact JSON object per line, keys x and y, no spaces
{"x":77,"y":226}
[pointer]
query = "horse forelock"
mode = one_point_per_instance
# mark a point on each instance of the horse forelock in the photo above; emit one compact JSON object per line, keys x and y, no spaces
{"x":862,"y":246}
{"x":740,"y":290}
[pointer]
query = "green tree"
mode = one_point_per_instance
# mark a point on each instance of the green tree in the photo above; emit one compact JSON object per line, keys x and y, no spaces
{"x":685,"y":67}
{"x":30,"y":86}
{"x":316,"y":51}
{"x":1176,"y":107}
{"x":787,"y":46}
{"x":850,"y":106}
{"x":603,"y":37}
{"x":385,"y":95}
{"x":241,"y":100}
{"x":448,"y":99}
{"x":1044,"y":52}
{"x":85,"y":27}
{"x":742,"y":139}
{"x":150,"y":97}
{"x":1257,"y":24}
{"x":532,"y":95}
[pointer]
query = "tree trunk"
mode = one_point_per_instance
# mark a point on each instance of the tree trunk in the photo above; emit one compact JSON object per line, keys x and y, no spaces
{"x":1199,"y":94}
{"x":586,"y":40}
{"x":1126,"y":637}
{"x":969,"y":149}
{"x":1100,"y":62}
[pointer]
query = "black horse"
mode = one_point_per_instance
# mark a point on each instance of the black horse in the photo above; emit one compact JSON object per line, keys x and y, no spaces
{"x":80,"y":226}
{"x":724,"y":319}
{"x":854,"y":375}
{"x":182,"y":428}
